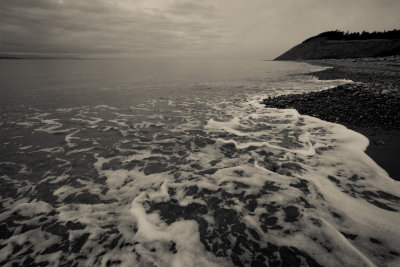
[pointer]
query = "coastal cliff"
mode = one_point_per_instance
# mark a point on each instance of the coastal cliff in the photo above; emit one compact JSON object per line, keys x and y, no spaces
{"x":339,"y":45}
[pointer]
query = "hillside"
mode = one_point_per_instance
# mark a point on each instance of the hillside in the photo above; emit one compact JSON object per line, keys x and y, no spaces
{"x":337,"y":44}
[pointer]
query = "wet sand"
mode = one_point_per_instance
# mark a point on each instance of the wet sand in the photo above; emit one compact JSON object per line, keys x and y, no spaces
{"x":370,"y":106}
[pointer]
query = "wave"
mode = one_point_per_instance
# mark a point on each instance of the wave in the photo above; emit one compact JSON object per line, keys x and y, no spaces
{"x":194,"y":182}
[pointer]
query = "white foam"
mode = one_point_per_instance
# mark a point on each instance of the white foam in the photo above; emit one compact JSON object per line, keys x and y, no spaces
{"x":52,"y":149}
{"x":69,"y":137}
{"x":226,"y":126}
{"x":276,"y":158}
{"x":75,"y":151}
{"x":33,"y":208}
{"x":25,"y":124}
{"x":24,"y":147}
{"x":50,"y":125}
{"x":184,"y":234}
{"x":39,"y":241}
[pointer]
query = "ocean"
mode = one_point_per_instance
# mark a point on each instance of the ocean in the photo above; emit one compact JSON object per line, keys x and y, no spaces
{"x":167,"y":162}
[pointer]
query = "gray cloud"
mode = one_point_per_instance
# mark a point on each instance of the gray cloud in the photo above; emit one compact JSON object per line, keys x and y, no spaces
{"x":98,"y":27}
{"x":136,"y":28}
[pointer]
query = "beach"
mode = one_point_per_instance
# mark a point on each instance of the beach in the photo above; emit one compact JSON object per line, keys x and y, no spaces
{"x":178,"y":163}
{"x":370,"y":105}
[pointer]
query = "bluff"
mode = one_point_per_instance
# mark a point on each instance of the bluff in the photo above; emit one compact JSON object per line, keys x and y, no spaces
{"x":336,"y":44}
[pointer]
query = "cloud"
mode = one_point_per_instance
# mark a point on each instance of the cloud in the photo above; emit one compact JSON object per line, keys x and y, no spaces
{"x":153,"y":28}
{"x":105,"y":27}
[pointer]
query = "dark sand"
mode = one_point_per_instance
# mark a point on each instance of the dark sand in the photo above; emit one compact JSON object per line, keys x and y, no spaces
{"x":370,"y":106}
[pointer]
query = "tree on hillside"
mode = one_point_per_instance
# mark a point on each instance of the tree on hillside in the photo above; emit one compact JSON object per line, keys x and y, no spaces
{"x":364,"y":35}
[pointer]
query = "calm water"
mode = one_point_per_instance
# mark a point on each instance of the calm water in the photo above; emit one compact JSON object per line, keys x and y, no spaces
{"x":176,"y":163}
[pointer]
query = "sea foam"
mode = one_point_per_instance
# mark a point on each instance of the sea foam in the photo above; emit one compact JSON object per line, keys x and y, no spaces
{"x":211,"y":178}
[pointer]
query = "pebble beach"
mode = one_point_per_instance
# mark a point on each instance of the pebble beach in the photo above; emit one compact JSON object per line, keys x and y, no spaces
{"x":370,"y":105}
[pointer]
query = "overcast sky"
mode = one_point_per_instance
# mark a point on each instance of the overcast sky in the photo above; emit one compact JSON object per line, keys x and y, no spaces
{"x":181,"y":28}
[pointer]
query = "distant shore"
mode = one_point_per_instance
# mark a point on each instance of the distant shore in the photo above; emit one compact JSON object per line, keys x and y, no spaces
{"x":370,"y":106}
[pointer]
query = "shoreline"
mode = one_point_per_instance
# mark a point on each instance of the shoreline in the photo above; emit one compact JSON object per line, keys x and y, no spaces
{"x":370,"y":105}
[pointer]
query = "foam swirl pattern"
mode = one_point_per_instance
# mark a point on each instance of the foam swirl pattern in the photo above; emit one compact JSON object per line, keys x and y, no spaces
{"x":192,"y":181}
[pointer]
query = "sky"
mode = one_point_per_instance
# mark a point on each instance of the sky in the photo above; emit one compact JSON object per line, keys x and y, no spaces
{"x":261,"y":29}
